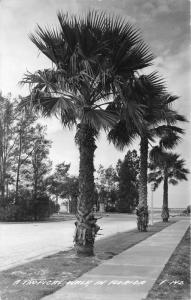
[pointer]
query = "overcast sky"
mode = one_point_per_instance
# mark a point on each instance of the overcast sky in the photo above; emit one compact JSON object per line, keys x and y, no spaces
{"x":165,"y":27}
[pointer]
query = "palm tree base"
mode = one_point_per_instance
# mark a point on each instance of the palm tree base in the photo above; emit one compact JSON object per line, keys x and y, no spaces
{"x":165,"y":220}
{"x":142,"y":218}
{"x":84,"y":238}
{"x":165,"y":214}
{"x":84,"y":250}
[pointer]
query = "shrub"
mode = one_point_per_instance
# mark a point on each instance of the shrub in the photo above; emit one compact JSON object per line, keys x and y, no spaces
{"x":28,"y":209}
{"x":8,"y":213}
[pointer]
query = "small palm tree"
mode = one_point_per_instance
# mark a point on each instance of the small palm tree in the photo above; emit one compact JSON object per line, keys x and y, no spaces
{"x":166,"y":167}
{"x":156,"y":118}
{"x":93,"y":58}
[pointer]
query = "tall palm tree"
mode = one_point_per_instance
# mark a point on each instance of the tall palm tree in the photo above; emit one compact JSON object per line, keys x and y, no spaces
{"x":93,"y":58}
{"x":166,"y":167}
{"x":157,"y":117}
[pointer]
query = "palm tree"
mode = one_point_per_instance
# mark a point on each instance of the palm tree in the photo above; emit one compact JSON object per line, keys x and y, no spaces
{"x":166,"y":167}
{"x":157,"y":117}
{"x":93,"y":58}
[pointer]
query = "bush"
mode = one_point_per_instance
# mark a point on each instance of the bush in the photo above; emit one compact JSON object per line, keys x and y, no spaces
{"x":27,"y":208}
{"x":8,"y":213}
{"x":110,"y":209}
{"x":43,"y":207}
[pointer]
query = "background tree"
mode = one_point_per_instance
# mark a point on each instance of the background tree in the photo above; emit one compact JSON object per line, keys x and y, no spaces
{"x":24,"y":163}
{"x":166,"y":167}
{"x":62,"y":185}
{"x":128,"y":182}
{"x":38,"y":167}
{"x":7,"y":137}
{"x":17,"y":143}
{"x":24,"y":143}
{"x":107,"y":187}
{"x":56,"y":181}
{"x":156,"y":116}
{"x":70,"y":190}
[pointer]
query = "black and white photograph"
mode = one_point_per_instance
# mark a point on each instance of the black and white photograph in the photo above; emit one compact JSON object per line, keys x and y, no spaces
{"x":95,"y":149}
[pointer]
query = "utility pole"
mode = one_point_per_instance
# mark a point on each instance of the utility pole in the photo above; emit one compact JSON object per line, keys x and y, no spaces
{"x":152,"y":192}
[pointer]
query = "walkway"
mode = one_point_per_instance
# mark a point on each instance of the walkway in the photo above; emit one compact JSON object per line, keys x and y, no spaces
{"x":129,"y":275}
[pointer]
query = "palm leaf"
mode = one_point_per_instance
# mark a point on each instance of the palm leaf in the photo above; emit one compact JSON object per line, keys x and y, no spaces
{"x":154,"y":179}
{"x":165,"y":130}
{"x":170,"y":140}
{"x":99,"y":118}
{"x":173,"y":181}
{"x":122,"y":136}
{"x":156,"y":155}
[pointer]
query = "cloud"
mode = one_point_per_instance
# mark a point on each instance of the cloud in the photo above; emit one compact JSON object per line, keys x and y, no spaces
{"x":155,"y":8}
{"x":176,"y":70}
{"x":164,"y":23}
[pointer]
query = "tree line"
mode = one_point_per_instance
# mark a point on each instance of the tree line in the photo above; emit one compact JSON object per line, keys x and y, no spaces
{"x":29,"y":190}
{"x":24,"y":162}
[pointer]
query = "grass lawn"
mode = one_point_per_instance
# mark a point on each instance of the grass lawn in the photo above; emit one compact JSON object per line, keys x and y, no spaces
{"x":42,"y":277}
{"x":174,"y":281}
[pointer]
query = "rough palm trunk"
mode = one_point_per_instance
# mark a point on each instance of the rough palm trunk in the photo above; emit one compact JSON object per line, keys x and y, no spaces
{"x":165,"y":211}
{"x":142,"y":209}
{"x":86,"y":227}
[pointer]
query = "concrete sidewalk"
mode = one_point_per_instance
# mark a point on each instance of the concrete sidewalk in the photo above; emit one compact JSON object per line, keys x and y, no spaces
{"x":129,"y":275}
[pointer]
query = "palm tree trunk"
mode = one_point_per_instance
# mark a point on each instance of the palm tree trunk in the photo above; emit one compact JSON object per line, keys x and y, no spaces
{"x":165,"y":210}
{"x":142,"y":209}
{"x":86,"y":227}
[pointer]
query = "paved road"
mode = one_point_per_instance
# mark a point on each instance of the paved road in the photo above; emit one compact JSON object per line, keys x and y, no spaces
{"x":23,"y":242}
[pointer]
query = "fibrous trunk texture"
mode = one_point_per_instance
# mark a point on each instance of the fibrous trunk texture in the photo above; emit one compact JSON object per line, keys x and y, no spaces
{"x":86,"y":227}
{"x":165,"y":210}
{"x":142,"y":209}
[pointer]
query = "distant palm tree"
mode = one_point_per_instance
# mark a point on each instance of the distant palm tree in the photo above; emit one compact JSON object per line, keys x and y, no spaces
{"x":168,"y":168}
{"x":156,"y":118}
{"x":93,"y":58}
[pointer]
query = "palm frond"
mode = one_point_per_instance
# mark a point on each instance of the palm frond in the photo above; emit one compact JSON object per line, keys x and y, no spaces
{"x":169,"y":99}
{"x":154,"y":178}
{"x":154,"y":175}
{"x":93,"y":55}
{"x":99,"y":118}
{"x":165,"y":130}
{"x":156,"y":155}
{"x":46,"y":98}
{"x":173,"y":181}
{"x":152,"y":85}
{"x":121,"y":135}
{"x":170,"y":140}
